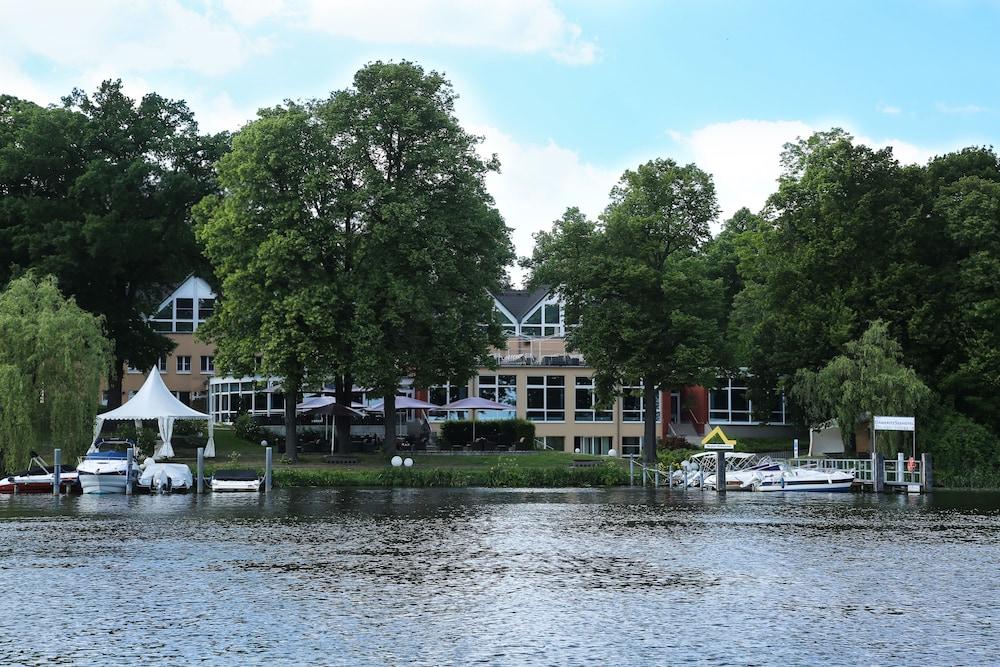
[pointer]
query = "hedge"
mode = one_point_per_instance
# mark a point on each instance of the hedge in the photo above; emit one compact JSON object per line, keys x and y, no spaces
{"x":501,"y":431}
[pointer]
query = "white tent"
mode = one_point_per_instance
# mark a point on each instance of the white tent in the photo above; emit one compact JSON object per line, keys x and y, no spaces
{"x":154,"y":401}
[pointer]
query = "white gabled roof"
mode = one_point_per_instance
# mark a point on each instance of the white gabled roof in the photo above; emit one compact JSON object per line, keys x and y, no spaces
{"x":152,"y":401}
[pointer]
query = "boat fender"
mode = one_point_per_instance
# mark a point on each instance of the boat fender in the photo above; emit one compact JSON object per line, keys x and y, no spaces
{"x":911,"y":464}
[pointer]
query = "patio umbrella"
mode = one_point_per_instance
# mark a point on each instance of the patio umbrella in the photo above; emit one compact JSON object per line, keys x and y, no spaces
{"x":406,"y":403}
{"x":326,"y":406}
{"x":475,"y":403}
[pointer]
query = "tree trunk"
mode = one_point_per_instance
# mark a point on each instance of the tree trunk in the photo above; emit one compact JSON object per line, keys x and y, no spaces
{"x":649,"y":422}
{"x":115,"y":381}
{"x":291,"y":432}
{"x":389,"y":410}
{"x":342,"y":423}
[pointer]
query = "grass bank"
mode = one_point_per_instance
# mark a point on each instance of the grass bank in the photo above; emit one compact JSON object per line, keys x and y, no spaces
{"x":542,"y":469}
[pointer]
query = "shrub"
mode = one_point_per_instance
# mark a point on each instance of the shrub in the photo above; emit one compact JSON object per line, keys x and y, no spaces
{"x":246,"y":428}
{"x":672,"y":458}
{"x":957,"y":443}
{"x":672,"y":442}
{"x":505,"y":431}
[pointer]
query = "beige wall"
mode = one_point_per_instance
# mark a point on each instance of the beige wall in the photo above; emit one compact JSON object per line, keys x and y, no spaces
{"x":194,"y":382}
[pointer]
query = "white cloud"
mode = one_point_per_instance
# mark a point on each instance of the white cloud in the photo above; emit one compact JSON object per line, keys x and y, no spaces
{"x":538,"y":182}
{"x":520,"y":26}
{"x":888,"y":109}
{"x":743,"y":156}
{"x":124,"y":36}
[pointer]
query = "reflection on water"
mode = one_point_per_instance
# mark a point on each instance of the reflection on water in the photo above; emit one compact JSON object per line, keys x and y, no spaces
{"x":429,"y":577}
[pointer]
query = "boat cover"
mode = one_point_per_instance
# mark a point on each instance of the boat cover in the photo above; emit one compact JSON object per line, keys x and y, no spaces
{"x":236,"y":475}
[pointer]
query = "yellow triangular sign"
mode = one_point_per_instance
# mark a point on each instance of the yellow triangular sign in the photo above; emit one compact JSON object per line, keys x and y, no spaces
{"x":717,"y":431}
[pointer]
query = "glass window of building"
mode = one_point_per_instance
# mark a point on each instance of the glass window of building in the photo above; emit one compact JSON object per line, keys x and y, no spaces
{"x":161,"y":364}
{"x":598,"y":445}
{"x":183,"y":364}
{"x":729,"y":403}
{"x":547,"y":398}
{"x":632,"y":410}
{"x":631,"y":445}
{"x":444,"y":394}
{"x":544,"y":320}
{"x":207,"y":364}
{"x":509,"y":326}
{"x":502,"y":389}
{"x":205,"y":309}
{"x":586,"y":403}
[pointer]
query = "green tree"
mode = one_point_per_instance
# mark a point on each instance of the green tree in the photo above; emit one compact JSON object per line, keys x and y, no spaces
{"x":278,"y":240}
{"x":53,"y":356}
{"x":98,"y":193}
{"x":433,"y":242}
{"x":647,"y":309}
{"x":869,"y":378}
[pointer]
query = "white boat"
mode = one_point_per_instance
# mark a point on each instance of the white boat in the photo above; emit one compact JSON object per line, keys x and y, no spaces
{"x":165,"y":477}
{"x":236,"y":480}
{"x":103,"y":471}
{"x":39,"y":478}
{"x":741,"y":480}
{"x":803,"y":479}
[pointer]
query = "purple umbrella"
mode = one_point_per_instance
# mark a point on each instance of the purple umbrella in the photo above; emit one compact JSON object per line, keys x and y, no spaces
{"x":475,"y":403}
{"x":406,"y":403}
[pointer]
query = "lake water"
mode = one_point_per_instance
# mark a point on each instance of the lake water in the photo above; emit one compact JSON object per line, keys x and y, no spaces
{"x":478,"y":576}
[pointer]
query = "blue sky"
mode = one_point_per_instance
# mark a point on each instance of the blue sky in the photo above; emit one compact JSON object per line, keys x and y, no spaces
{"x":568,"y":94}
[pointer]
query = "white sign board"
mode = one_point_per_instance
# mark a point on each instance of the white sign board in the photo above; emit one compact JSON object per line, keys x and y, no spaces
{"x":895,"y":424}
{"x":720,"y":446}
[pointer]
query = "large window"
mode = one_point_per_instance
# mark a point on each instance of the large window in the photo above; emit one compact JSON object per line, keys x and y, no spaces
{"x":631,"y":445}
{"x":207,"y":364}
{"x":547,"y":398}
{"x":444,"y":394}
{"x":599,"y":445}
{"x":502,"y":389}
{"x":728,"y":403}
{"x":545,"y":320}
{"x":509,"y":326}
{"x":180,"y":315}
{"x":632,"y":410}
{"x":586,"y":403}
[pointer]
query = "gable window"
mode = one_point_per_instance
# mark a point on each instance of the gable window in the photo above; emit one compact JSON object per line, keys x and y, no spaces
{"x":205,"y":309}
{"x":545,"y":320}
{"x":508,"y":325}
{"x":547,"y":398}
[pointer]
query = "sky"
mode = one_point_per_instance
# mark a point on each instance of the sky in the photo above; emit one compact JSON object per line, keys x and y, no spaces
{"x":568,"y":95}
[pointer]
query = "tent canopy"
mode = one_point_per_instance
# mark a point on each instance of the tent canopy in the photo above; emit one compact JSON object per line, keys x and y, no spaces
{"x":154,"y":401}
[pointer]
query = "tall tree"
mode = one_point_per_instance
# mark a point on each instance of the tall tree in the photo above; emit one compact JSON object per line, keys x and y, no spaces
{"x":277,"y":239}
{"x":53,"y":356}
{"x":636,"y":281}
{"x":98,"y":193}
{"x":433,"y":245}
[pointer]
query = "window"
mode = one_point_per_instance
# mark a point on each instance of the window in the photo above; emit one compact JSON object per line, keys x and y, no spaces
{"x":509,"y":327}
{"x":585,"y":409}
{"x":205,"y":309}
{"x":183,"y":396}
{"x":183,"y":364}
{"x":547,"y":398}
{"x":444,"y":394}
{"x":599,"y":445}
{"x":502,"y":389}
{"x":631,"y":445}
{"x":545,"y":320}
{"x":556,"y":442}
{"x":161,"y":364}
{"x":729,"y":403}
{"x":207,"y":364}
{"x":632,"y":403}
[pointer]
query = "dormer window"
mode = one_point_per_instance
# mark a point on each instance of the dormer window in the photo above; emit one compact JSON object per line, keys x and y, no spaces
{"x":545,"y":320}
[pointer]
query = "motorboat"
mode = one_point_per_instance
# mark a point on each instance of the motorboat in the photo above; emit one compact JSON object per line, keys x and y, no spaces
{"x":699,"y":469}
{"x":802,"y":479}
{"x":39,"y":478}
{"x":236,"y":480}
{"x":165,"y":477}
{"x":740,"y":480}
{"x":103,"y":470}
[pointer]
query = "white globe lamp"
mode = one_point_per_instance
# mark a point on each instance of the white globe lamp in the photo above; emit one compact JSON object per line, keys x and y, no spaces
{"x":408,"y":462}
{"x":576,"y":451}
{"x":612,"y":452}
{"x":396,"y":461}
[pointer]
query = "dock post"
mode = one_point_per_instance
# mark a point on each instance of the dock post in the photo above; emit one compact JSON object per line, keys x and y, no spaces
{"x":56,"y":471}
{"x":670,"y":476}
{"x":656,"y":477}
{"x":201,"y":470}
{"x":900,"y":467}
{"x":631,"y":471}
{"x":878,"y":472}
{"x":926,"y":473}
{"x":267,"y":470}
{"x":129,"y":463}
{"x":720,"y":471}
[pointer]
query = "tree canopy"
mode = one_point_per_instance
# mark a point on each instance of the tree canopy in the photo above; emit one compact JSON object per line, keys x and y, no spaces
{"x":53,"y":356}
{"x":647,"y":309}
{"x":98,"y":192}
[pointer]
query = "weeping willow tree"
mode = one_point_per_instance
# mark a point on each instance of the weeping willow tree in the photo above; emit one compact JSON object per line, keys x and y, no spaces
{"x":869,"y":378}
{"x":53,"y":355}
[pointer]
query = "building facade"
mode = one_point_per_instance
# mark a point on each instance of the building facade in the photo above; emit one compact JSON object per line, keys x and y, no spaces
{"x":536,"y":376}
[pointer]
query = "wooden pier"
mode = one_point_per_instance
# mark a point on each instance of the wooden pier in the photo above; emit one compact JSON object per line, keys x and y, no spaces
{"x":877,"y":473}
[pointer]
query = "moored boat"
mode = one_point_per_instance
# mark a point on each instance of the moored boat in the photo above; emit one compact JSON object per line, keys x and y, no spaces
{"x":803,"y":479}
{"x":104,"y":469}
{"x":165,"y":477}
{"x":39,"y":478}
{"x":236,"y":480}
